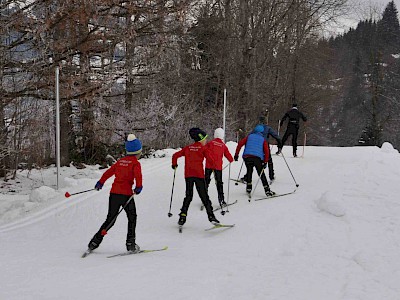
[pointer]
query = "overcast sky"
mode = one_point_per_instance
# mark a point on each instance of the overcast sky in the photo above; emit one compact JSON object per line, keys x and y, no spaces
{"x":360,"y":10}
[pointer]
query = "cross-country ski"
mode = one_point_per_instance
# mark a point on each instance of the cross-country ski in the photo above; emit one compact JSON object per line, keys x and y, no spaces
{"x":138,"y":252}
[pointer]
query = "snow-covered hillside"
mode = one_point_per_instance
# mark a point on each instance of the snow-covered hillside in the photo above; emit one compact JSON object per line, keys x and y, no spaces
{"x":337,"y":237}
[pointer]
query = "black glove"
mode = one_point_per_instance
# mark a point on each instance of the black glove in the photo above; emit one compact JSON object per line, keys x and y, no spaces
{"x":98,"y":186}
{"x":236,"y":157}
{"x":264,"y":164}
{"x":174,"y":167}
{"x":138,"y":189}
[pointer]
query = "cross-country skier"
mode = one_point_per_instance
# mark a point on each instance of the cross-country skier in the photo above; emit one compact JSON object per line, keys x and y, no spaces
{"x":255,"y":154}
{"x":294,"y":116}
{"x":268,"y":131}
{"x":127,"y":171}
{"x":218,"y":150}
{"x":194,"y":173}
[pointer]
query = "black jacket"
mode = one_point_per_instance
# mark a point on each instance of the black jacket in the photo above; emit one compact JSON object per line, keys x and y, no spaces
{"x":294,"y":116}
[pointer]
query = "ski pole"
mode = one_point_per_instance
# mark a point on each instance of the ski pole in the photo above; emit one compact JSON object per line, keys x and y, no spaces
{"x":172,"y":193}
{"x":236,"y":183}
{"x":297,"y":185}
{"x":258,"y":180}
{"x":104,"y":231}
{"x":67,"y":195}
{"x":304,"y":144}
{"x":227,"y":200}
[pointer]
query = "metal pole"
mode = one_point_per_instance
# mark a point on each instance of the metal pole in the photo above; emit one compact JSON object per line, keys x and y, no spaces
{"x":224,"y":113}
{"x":58,"y":125}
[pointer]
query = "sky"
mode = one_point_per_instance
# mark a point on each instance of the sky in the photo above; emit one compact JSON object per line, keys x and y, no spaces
{"x":356,"y":11}
{"x":336,"y":237}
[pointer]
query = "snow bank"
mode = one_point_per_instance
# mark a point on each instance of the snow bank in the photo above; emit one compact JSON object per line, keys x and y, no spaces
{"x":42,"y":194}
{"x":388,"y":148}
{"x":328,"y":203}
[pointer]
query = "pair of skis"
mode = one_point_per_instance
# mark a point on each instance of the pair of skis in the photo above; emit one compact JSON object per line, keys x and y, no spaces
{"x":215,"y":226}
{"x":219,"y":207}
{"x":87,"y":252}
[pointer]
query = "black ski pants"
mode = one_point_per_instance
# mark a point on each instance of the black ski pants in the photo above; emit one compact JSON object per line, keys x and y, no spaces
{"x":115,"y":202}
{"x":271,"y":172}
{"x":293,"y":130}
{"x":218,"y":182}
{"x":255,"y":162}
{"x":201,"y":190}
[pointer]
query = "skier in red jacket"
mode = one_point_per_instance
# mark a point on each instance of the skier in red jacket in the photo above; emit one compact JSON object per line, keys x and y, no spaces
{"x":127,"y":171}
{"x":218,"y":150}
{"x":194,"y":173}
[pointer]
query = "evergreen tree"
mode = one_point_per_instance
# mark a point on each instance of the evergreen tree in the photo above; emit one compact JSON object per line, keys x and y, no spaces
{"x":389,"y":29}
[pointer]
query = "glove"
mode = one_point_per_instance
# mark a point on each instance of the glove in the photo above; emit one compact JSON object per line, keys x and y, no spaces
{"x":138,"y":190}
{"x":174,"y":167}
{"x":236,"y":157}
{"x":98,"y":186}
{"x":264,"y":164}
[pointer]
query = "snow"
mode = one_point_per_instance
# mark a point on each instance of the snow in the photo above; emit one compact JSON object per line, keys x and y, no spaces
{"x":337,"y":237}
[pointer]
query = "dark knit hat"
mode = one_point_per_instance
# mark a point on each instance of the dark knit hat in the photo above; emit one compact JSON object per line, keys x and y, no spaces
{"x":262,"y":119}
{"x":197,"y":134}
{"x":133,"y":145}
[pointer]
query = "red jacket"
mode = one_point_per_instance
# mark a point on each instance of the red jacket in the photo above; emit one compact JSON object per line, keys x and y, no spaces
{"x":217,"y":150}
{"x":127,"y":170}
{"x":194,"y":156}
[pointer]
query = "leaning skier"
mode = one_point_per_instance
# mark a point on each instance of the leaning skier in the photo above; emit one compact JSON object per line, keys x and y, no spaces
{"x":218,"y":150}
{"x":268,"y":132}
{"x":127,"y":171}
{"x":255,"y":154}
{"x":194,"y":173}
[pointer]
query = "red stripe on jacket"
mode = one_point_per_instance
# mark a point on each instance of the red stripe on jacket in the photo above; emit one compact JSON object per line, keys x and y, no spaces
{"x":217,"y":150}
{"x":194,"y":156}
{"x":127,"y":171}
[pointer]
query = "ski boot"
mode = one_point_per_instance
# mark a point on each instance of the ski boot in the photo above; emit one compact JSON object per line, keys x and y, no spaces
{"x":249,"y":187}
{"x":182,"y":219}
{"x":132,"y":247}
{"x":213,"y":219}
{"x":279,"y":151}
{"x":268,"y":191}
{"x":95,"y":242}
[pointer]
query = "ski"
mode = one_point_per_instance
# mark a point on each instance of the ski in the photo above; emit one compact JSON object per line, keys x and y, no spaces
{"x":219,"y":207}
{"x":137,"y":252}
{"x":220,"y":226}
{"x":275,"y":196}
{"x":238,"y":180}
{"x":244,"y":182}
{"x":229,"y":204}
{"x":86,"y":253}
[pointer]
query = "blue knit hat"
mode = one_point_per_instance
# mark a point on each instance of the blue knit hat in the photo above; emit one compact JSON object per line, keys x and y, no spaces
{"x":133,"y":145}
{"x":259,"y":128}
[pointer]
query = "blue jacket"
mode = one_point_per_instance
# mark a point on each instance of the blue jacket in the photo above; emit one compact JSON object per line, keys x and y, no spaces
{"x":254,"y":145}
{"x":268,"y":131}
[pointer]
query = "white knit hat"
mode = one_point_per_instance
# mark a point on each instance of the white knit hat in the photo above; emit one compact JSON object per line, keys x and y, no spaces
{"x":219,"y":133}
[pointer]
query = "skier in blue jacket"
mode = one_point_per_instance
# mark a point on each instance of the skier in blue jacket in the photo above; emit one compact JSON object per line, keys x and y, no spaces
{"x":255,"y":154}
{"x":267,"y":132}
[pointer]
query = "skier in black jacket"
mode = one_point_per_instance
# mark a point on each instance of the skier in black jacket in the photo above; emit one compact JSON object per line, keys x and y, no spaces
{"x":292,"y":129}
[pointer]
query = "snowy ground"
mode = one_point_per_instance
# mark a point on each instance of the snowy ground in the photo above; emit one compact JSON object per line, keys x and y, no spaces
{"x":337,"y":237}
